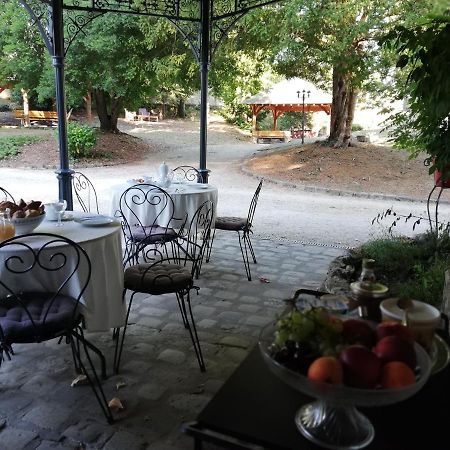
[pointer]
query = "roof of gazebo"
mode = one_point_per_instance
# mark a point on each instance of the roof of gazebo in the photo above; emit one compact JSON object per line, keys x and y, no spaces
{"x":285,"y":93}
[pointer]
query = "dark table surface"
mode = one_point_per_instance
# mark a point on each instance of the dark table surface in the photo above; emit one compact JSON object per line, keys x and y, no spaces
{"x":256,"y":407}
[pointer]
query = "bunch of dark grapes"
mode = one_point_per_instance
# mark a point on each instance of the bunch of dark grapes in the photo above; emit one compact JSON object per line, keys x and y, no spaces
{"x":296,"y":356}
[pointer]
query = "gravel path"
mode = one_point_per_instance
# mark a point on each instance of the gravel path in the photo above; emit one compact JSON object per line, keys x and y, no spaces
{"x":284,"y":212}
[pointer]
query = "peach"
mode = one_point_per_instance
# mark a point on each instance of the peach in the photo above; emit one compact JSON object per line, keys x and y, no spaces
{"x":358,"y":332}
{"x":396,"y":374}
{"x":393,"y":348}
{"x":361,"y":366}
{"x":326,"y":369}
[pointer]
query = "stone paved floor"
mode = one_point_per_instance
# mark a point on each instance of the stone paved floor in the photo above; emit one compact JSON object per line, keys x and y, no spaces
{"x":163,"y":384}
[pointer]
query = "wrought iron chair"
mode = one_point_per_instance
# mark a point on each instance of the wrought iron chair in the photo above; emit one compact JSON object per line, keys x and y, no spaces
{"x":243,"y":227}
{"x":85,"y":192}
{"x":146,"y":213}
{"x":156,"y":275}
{"x":187,"y":173}
{"x":5,"y":195}
{"x":30,"y":314}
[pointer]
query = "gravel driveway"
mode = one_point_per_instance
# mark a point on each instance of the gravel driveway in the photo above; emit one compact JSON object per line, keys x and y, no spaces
{"x":284,"y":212}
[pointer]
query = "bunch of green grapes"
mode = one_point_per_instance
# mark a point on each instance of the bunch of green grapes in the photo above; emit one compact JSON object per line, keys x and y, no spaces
{"x":314,"y":326}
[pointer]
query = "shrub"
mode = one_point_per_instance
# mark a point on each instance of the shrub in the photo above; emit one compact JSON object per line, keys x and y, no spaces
{"x":357,"y":127}
{"x":11,"y":146}
{"x":81,"y":140}
{"x":411,"y":268}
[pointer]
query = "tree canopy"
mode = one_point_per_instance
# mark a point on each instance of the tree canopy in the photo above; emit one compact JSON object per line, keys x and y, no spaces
{"x":424,"y":54}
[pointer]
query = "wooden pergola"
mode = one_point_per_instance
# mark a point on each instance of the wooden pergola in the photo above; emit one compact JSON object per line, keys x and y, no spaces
{"x":287,"y":96}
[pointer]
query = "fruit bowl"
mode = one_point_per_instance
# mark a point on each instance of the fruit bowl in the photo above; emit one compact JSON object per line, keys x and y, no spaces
{"x":332,"y":421}
{"x":27,"y":224}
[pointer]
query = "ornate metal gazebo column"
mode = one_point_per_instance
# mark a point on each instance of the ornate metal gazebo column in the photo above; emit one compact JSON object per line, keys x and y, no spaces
{"x":203,"y":23}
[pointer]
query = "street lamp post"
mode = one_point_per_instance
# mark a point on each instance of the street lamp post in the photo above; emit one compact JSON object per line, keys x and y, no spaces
{"x":305,"y":94}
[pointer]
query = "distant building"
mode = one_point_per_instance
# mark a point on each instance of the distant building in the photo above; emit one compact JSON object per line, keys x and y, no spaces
{"x":213,"y":102}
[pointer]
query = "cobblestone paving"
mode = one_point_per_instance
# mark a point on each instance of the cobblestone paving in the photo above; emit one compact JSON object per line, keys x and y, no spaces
{"x":163,"y":384}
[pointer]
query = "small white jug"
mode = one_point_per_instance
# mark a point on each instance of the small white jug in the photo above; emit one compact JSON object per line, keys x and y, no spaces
{"x":163,"y":171}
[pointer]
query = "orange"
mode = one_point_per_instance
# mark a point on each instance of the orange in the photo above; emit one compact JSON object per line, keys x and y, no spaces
{"x":326,"y":369}
{"x":396,"y":374}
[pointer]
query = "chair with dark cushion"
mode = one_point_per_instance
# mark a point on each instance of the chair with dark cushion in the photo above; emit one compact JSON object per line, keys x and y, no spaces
{"x":85,"y":192}
{"x":243,"y":227}
{"x":6,"y":196}
{"x":146,"y":212}
{"x":156,"y":274}
{"x":52,"y":309}
{"x":187,"y":173}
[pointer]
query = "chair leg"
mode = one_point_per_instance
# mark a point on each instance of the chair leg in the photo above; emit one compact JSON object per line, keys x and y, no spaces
{"x":250,"y":246}
{"x":98,"y":352}
{"x":118,"y":349}
{"x":244,"y":252}
{"x":182,"y":311}
{"x":209,"y":246}
{"x":93,"y":381}
{"x":192,"y":329}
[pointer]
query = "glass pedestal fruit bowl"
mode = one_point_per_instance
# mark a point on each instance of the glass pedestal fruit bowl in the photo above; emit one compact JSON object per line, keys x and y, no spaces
{"x":333,"y":421}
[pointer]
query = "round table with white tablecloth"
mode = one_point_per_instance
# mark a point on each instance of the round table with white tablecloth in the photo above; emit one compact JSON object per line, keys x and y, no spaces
{"x":103,"y":307}
{"x":187,"y":198}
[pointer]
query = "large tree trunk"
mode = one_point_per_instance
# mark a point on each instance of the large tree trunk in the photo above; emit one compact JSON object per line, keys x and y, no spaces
{"x":88,"y":103}
{"x":108,"y":109}
{"x":26,"y":107}
{"x":181,"y":109}
{"x":342,"y":110}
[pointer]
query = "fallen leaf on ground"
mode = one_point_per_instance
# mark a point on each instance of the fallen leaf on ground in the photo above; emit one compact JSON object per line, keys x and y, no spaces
{"x":264,"y":280}
{"x":80,"y":380}
{"x":120,"y":384}
{"x":115,"y":404}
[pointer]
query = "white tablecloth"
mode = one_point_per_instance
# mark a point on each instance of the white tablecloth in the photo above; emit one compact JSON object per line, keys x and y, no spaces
{"x":102,"y":300}
{"x":187,"y":199}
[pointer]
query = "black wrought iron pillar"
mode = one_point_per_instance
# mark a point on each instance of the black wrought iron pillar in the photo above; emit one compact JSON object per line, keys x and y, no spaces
{"x":64,"y":173}
{"x":205,"y":44}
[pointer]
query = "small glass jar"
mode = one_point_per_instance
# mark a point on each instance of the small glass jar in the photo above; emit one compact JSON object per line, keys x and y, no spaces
{"x":367,"y":272}
{"x":7,"y":228}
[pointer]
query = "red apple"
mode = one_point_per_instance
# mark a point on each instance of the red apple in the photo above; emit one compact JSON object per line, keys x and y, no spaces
{"x":356,"y":331}
{"x":361,"y":366}
{"x":394,"y":348}
{"x":394,"y":329}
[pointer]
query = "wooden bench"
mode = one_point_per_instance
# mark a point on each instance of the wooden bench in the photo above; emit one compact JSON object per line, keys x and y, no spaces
{"x":39,"y":116}
{"x":269,"y":135}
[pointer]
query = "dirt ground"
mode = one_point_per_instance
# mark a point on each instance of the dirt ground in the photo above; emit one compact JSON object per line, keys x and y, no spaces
{"x":365,"y":168}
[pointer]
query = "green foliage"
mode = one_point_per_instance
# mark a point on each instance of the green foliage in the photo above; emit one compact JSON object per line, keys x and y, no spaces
{"x":357,"y":127}
{"x":81,"y":140}
{"x":424,"y":54}
{"x":11,"y":146}
{"x":410,"y":268}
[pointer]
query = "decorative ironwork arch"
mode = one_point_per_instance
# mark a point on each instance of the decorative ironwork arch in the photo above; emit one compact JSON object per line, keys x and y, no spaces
{"x":203,"y":23}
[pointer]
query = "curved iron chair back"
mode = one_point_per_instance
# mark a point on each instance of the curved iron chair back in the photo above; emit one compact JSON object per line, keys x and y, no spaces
{"x":46,"y":312}
{"x":56,"y":254}
{"x":188,"y":173}
{"x":85,"y":192}
{"x":253,"y":203}
{"x":5,"y":195}
{"x":153,"y":227}
{"x":195,"y":239}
